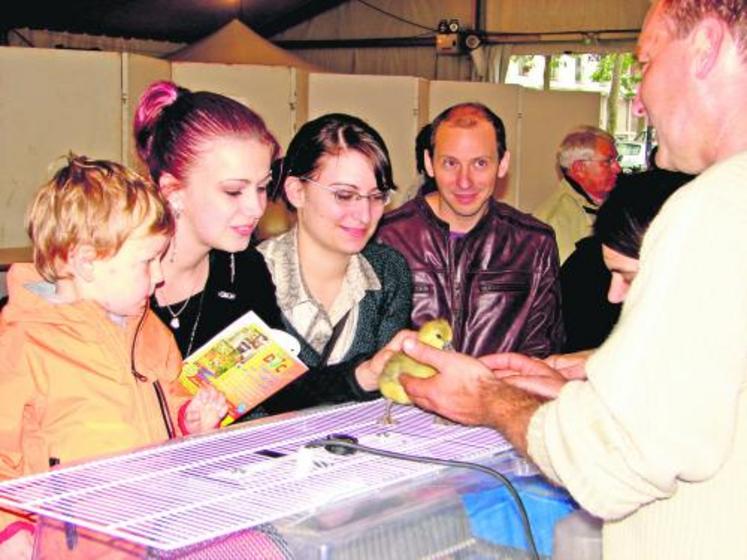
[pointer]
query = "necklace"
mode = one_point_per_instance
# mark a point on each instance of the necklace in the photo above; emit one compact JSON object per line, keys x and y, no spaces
{"x":194,"y":326}
{"x":174,"y":322}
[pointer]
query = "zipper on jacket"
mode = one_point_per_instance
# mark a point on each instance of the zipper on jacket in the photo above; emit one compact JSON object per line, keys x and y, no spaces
{"x":455,"y":295}
{"x":71,"y":533}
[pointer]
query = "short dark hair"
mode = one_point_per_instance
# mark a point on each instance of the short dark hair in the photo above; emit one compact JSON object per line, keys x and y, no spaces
{"x":331,"y":135}
{"x":422,"y":143}
{"x":467,"y":114}
{"x":632,"y":205}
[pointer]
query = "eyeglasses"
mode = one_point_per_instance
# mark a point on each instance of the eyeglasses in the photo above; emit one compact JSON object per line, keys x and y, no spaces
{"x":348,"y":197}
{"x":608,"y":161}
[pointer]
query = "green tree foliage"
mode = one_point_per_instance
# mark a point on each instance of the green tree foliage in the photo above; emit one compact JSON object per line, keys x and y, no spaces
{"x":629,"y":77}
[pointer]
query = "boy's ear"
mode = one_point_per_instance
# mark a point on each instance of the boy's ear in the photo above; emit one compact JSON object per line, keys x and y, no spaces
{"x":80,"y":261}
{"x":294,"y":191}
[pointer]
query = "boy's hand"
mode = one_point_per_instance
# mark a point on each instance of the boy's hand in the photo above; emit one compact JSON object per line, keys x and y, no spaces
{"x":18,"y":547}
{"x":206,"y":409}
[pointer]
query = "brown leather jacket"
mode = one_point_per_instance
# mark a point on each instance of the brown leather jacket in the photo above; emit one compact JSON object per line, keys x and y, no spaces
{"x":498,"y":285}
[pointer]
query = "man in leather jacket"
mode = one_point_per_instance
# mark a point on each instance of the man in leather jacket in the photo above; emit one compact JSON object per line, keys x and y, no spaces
{"x":487,"y":268}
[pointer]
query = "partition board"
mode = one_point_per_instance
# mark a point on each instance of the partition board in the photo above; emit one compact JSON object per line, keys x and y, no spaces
{"x":138,"y":72}
{"x":394,"y":105}
{"x":277,"y":93}
{"x":546,"y":117}
{"x":503,"y":101}
{"x":52,"y":102}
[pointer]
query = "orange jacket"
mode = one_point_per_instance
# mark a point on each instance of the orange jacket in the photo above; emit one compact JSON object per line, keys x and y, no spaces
{"x":67,"y":391}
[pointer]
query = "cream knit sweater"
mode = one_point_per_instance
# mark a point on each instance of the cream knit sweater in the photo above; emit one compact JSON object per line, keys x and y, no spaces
{"x":656,"y":441}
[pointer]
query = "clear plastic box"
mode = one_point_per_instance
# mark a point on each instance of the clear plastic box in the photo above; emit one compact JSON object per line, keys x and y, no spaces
{"x":431,"y":517}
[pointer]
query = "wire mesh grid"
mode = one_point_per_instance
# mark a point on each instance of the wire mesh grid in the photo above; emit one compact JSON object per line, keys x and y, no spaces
{"x":243,"y":477}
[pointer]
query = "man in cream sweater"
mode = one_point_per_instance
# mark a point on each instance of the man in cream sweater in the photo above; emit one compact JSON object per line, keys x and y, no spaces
{"x":655,"y":440}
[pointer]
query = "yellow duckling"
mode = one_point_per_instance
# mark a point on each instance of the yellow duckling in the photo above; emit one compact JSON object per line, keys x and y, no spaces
{"x":436,"y":333}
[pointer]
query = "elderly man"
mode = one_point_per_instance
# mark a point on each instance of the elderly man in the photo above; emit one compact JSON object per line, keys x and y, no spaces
{"x":587,"y":163}
{"x":487,"y":268}
{"x":655,"y":441}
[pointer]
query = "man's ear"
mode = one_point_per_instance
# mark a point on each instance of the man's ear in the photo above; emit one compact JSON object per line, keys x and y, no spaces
{"x":80,"y":261}
{"x":706,"y":40}
{"x":295,"y":191}
{"x":503,"y":165}
{"x":577,"y":171}
{"x":428,"y":163}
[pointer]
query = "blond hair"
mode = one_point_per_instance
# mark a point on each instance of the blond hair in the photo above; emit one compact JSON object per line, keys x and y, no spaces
{"x":96,"y":202}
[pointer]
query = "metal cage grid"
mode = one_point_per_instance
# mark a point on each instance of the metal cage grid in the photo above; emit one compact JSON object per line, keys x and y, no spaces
{"x":200,"y":488}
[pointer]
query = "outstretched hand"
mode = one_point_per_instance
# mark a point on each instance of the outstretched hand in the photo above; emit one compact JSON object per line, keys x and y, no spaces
{"x":530,"y":374}
{"x":206,"y":409}
{"x":570,"y":366}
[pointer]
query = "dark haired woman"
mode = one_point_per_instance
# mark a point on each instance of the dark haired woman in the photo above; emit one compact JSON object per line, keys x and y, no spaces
{"x":596,"y":276}
{"x":342,"y":296}
{"x":621,"y":223}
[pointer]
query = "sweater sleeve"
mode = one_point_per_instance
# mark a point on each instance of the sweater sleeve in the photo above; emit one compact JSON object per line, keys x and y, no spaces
{"x":662,"y":398}
{"x":396,"y":304}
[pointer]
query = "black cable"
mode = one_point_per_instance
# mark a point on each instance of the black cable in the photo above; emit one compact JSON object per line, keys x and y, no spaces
{"x":139,"y":376}
{"x":395,"y":16}
{"x":346,"y":444}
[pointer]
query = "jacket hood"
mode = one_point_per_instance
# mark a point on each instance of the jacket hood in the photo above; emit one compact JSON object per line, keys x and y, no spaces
{"x":30,"y":300}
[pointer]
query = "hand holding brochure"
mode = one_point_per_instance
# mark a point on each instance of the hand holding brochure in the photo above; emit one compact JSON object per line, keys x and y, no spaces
{"x":247,"y":362}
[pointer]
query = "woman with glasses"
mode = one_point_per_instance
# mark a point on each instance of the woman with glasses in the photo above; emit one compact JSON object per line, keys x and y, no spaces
{"x":342,"y":296}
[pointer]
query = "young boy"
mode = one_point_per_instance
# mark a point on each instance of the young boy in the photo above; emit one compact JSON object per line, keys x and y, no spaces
{"x":85,"y":367}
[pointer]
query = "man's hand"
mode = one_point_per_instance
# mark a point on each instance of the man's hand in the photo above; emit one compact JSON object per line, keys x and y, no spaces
{"x":205,"y":410}
{"x":529,"y":374}
{"x":367,"y":373}
{"x":467,"y":391}
{"x":570,"y":366}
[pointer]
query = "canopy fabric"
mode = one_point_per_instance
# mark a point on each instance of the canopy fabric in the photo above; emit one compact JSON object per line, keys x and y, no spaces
{"x":557,"y":16}
{"x":235,"y":43}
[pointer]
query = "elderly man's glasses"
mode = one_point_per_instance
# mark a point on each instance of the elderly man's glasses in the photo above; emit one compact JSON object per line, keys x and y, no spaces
{"x":348,"y":197}
{"x":607,"y":161}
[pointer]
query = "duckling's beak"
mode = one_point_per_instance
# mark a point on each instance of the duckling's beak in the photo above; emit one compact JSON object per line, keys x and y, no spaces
{"x":448,"y":347}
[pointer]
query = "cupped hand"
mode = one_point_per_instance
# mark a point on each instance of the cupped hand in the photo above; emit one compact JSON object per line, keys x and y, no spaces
{"x":530,"y":374}
{"x":570,"y":366}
